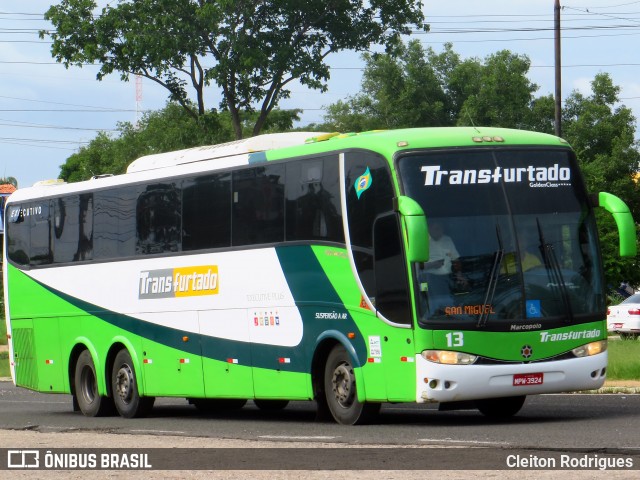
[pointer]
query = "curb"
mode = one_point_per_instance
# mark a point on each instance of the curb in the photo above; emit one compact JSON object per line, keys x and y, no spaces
{"x":623,"y":390}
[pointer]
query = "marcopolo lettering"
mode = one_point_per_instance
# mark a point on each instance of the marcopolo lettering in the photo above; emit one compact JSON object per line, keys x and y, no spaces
{"x":178,"y":282}
{"x":434,"y":175}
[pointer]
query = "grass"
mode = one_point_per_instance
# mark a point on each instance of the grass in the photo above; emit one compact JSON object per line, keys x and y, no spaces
{"x":624,"y":360}
{"x":3,"y":331}
{"x":4,"y":365}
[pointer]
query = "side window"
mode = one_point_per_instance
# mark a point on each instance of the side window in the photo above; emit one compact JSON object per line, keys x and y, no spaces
{"x":206,"y":212}
{"x":258,"y":205}
{"x":85,"y":233}
{"x":114,"y":233}
{"x":369,"y":194}
{"x":313,"y":200}
{"x":392,"y":289}
{"x":18,"y":235}
{"x":158,"y":219}
{"x":41,"y":242}
{"x":66,"y":228}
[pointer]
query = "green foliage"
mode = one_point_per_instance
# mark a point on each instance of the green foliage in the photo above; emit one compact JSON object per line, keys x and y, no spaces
{"x":9,"y":180}
{"x":251,"y":50}
{"x":417,"y":87}
{"x":4,"y":365}
{"x":603,"y":137}
{"x":503,"y":94}
{"x":623,"y":360}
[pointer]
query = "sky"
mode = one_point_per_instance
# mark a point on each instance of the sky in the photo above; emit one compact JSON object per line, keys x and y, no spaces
{"x":48,"y":112}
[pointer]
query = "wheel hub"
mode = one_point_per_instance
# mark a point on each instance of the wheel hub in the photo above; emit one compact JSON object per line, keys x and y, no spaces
{"x":343,"y":384}
{"x":124,"y":382}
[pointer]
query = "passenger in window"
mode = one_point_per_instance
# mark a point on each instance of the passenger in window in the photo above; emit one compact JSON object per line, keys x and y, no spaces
{"x":525,"y":254}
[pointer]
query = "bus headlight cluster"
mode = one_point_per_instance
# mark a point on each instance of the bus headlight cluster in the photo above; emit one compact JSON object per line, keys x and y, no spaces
{"x":589,"y":349}
{"x":448,"y":357}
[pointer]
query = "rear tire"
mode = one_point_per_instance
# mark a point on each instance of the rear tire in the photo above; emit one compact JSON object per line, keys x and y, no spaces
{"x":500,"y":408}
{"x":124,"y":386}
{"x":89,"y":401}
{"x":341,"y":391}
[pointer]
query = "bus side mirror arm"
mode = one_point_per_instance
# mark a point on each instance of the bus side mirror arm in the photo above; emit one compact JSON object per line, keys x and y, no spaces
{"x":415,"y":223}
{"x":622,"y":215}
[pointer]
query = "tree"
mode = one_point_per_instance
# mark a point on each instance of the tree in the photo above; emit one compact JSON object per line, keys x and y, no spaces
{"x":604,"y":140}
{"x":417,"y":87}
{"x":503,"y":93}
{"x":252,"y":50}
{"x":9,"y":180}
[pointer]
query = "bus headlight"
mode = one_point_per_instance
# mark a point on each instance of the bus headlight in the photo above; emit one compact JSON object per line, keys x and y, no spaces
{"x":448,"y":357}
{"x":589,"y":349}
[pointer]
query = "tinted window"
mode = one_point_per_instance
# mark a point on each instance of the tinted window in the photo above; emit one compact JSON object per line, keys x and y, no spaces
{"x":258,"y":205}
{"x":313,"y":201}
{"x":158,"y":219}
{"x":18,"y":235}
{"x":73,"y":228}
{"x":115,"y":223}
{"x":206,"y":212}
{"x":369,"y":194}
{"x":40,"y":250}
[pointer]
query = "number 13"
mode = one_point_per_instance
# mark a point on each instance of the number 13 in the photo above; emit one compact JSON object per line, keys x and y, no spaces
{"x":455,"y":339}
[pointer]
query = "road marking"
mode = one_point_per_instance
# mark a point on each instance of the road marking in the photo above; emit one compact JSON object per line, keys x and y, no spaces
{"x":301,"y":437}
{"x":173,"y":432}
{"x":474,"y":442}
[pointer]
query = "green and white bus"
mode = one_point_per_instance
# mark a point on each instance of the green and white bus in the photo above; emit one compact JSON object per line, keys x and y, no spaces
{"x":283,"y":267}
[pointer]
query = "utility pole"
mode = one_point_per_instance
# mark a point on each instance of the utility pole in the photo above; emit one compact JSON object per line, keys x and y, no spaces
{"x":558,"y":68}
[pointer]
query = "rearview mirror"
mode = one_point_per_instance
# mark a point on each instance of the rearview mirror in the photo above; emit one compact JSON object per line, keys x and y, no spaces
{"x":626,"y":226}
{"x":416,"y":230}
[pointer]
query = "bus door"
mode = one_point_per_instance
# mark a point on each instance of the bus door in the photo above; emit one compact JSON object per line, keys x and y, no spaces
{"x":375,"y":244}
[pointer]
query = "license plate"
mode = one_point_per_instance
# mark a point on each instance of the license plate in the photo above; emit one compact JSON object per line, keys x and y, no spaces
{"x":618,"y":325}
{"x":523,"y":379}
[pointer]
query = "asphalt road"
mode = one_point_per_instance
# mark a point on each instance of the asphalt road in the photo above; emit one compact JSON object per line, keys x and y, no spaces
{"x":582,"y":425}
{"x":564,"y":421}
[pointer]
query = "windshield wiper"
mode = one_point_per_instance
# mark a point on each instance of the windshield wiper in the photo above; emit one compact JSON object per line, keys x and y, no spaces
{"x":493,"y":279}
{"x":554,"y":271}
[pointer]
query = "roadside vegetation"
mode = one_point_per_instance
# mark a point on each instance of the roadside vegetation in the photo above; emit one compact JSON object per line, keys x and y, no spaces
{"x":624,"y":360}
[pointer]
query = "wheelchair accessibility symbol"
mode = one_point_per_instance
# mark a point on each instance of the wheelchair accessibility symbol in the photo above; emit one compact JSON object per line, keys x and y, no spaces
{"x":533,"y":309}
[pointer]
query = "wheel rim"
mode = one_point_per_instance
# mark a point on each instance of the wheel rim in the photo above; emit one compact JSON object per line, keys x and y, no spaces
{"x":88,"y":387}
{"x":124,"y":383}
{"x":343,"y":383}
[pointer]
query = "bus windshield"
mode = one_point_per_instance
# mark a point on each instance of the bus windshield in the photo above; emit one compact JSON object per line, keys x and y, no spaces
{"x":513,"y":244}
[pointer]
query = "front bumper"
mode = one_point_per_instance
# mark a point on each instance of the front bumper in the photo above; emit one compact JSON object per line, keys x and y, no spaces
{"x":452,"y":383}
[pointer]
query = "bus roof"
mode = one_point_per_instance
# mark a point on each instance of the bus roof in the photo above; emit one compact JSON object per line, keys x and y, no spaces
{"x":280,"y":146}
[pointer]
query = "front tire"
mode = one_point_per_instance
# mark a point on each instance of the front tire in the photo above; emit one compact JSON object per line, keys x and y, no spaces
{"x":500,"y":408}
{"x":89,"y":401}
{"x":124,"y":385}
{"x":341,"y":390}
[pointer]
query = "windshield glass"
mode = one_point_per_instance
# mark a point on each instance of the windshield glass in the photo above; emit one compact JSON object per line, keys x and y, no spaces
{"x":512,"y":239}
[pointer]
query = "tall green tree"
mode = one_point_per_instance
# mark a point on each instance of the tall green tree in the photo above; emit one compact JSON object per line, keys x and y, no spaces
{"x":251,"y":50}
{"x":502,"y":95}
{"x":603,"y":136}
{"x":417,"y":87}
